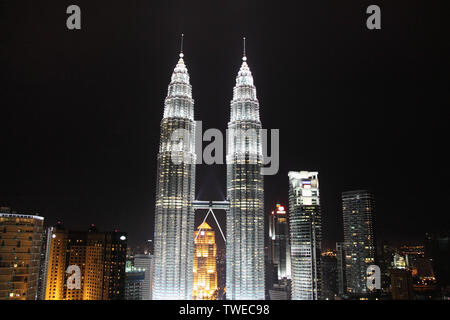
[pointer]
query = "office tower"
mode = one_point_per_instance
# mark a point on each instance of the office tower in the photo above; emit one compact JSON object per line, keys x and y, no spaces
{"x":306,"y":235}
{"x":20,"y":249}
{"x":401,"y":283}
{"x":205,"y":272}
{"x":270,"y":273}
{"x":134,"y":283}
{"x":146,"y":262}
{"x":174,"y":214}
{"x":329,"y":275}
{"x":358,"y":209}
{"x":99,"y":256}
{"x":279,"y":242}
{"x":340,"y":261}
{"x":245,"y":192}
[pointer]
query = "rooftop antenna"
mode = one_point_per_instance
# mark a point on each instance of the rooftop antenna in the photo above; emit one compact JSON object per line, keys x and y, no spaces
{"x":244,"y":58}
{"x":181,"y":46}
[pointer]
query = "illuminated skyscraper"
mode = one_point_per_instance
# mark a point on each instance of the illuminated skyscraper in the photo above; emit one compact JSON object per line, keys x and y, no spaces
{"x":100,"y":257}
{"x":174,"y":214}
{"x":134,"y":283}
{"x":358,"y":209}
{"x":280,"y":248}
{"x":205,"y":272}
{"x":245,"y":191}
{"x":306,"y":235}
{"x":20,"y":247}
{"x":146,"y":262}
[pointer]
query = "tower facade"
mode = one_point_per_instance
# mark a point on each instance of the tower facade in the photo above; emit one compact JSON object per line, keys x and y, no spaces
{"x":174,"y":214}
{"x":20,"y":248}
{"x":245,"y":192}
{"x":306,"y":235}
{"x":145,"y":262}
{"x":358,"y":208}
{"x":280,"y":248}
{"x":205,"y":271}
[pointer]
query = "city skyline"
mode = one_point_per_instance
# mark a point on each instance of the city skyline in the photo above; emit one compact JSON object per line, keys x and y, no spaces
{"x":80,"y":145}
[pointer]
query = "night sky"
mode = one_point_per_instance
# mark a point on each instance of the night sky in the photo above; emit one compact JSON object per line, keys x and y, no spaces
{"x":80,"y":110}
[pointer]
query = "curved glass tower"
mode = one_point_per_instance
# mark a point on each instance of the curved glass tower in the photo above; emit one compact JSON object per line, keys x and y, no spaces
{"x":174,"y":214}
{"x":245,"y":191}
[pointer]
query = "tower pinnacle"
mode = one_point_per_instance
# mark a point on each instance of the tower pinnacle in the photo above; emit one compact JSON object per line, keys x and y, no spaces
{"x":181,"y":46}
{"x":244,"y":58}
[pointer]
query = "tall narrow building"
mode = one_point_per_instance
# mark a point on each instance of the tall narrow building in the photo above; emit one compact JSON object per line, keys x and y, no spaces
{"x":358,"y":209}
{"x":306,"y":235}
{"x":280,"y":248}
{"x":145,"y":262}
{"x":245,"y":191}
{"x":174,"y":214}
{"x":340,"y":260}
{"x":205,"y":266}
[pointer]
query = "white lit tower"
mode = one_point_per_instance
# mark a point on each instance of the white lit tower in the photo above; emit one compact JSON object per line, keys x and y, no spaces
{"x":174,"y":214}
{"x":245,"y":192}
{"x":305,"y":225}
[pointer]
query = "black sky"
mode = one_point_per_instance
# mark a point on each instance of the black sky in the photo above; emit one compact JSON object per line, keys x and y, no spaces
{"x":80,"y":110}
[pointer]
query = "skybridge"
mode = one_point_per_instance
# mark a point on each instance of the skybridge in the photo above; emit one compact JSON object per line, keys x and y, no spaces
{"x":211,"y":206}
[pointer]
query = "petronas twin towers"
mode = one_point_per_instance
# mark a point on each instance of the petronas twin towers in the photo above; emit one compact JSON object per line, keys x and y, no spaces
{"x":174,"y":214}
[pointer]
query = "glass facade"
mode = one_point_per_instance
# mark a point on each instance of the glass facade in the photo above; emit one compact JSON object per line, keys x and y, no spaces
{"x":358,"y":209}
{"x":280,"y":248}
{"x":174,"y":214}
{"x":306,"y":235}
{"x":245,"y":191}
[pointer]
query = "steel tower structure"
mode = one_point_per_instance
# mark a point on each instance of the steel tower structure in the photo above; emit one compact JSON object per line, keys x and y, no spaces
{"x":174,"y":214}
{"x":245,"y":192}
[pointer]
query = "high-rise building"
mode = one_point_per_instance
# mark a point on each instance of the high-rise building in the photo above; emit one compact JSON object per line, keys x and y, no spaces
{"x":20,"y":249}
{"x":358,"y":209}
{"x":306,"y":235}
{"x":174,"y":214}
{"x":329,"y":275}
{"x":340,"y":265}
{"x":134,"y":282}
{"x":205,"y":271}
{"x":146,"y":262}
{"x":245,"y":192}
{"x":99,"y":256}
{"x":270,"y":273}
{"x":280,"y":249}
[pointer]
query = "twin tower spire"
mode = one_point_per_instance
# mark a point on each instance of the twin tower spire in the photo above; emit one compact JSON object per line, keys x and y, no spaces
{"x":175,"y":192}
